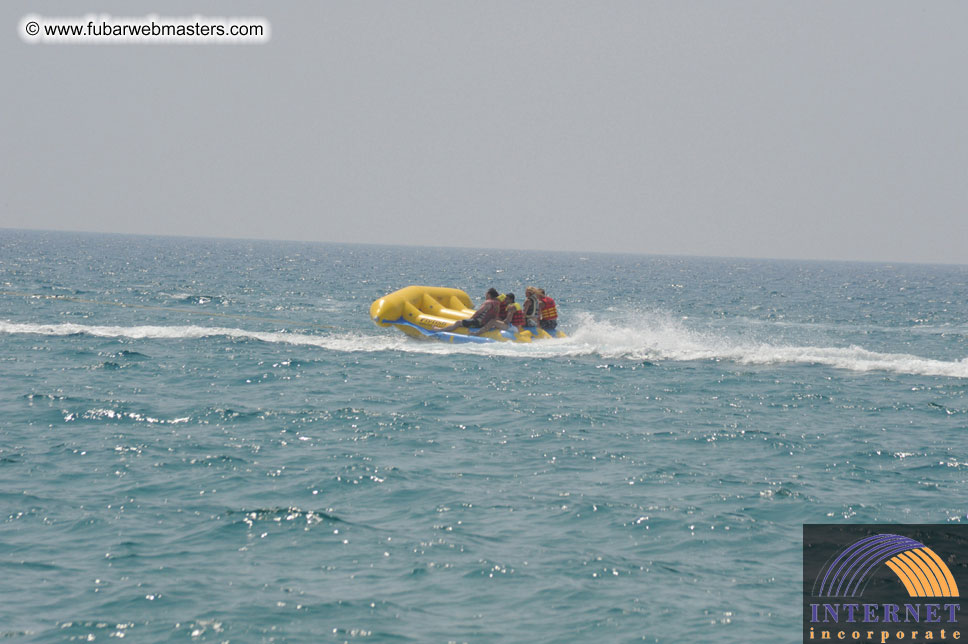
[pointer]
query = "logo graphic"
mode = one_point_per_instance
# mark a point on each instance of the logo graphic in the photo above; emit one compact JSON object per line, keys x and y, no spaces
{"x":918,"y":567}
{"x":884,"y":583}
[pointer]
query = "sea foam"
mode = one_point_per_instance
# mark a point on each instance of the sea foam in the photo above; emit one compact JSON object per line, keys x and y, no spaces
{"x":654,"y":338}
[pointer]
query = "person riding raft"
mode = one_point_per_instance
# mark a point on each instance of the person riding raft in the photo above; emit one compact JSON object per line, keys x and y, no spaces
{"x":513,"y":318}
{"x":503,"y":301}
{"x":486,"y":313}
{"x":548,"y":316}
{"x":532,"y":306}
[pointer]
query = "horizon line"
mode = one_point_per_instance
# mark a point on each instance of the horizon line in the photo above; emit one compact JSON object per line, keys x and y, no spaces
{"x":483,"y":248}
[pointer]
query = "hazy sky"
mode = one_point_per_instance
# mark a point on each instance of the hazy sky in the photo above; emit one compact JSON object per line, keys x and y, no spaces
{"x":800,"y":129}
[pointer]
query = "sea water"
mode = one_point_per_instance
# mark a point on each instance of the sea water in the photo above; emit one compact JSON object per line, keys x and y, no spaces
{"x":209,"y":440}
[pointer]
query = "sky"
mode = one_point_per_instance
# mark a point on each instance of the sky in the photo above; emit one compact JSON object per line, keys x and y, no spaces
{"x":803,"y":129}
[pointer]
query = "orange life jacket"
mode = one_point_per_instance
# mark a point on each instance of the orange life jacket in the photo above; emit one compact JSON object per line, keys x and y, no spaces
{"x":548,"y":309}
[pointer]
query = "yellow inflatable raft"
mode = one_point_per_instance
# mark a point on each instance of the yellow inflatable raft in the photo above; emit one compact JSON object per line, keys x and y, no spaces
{"x":419,"y":311}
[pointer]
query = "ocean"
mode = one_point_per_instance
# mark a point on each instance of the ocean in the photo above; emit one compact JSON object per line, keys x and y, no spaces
{"x":208,"y":440}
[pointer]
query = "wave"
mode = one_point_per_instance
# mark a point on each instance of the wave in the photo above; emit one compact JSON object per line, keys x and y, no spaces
{"x":335,"y":342}
{"x":652,"y":337}
{"x":657,"y":337}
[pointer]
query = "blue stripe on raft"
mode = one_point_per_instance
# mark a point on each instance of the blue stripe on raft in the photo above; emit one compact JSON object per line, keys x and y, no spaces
{"x":446,"y":336}
{"x":459,"y":338}
{"x":555,"y":333}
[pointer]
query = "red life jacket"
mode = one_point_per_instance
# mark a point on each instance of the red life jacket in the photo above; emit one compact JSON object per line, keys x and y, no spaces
{"x":487,"y":312}
{"x":503,"y":313}
{"x":517,"y":318}
{"x":548,"y":309}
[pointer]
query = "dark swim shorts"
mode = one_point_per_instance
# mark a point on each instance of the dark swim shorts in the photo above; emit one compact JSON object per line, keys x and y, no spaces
{"x":548,"y":325}
{"x":473,"y":323}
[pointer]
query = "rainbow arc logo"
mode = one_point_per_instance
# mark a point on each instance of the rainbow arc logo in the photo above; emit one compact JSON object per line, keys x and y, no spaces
{"x":921,"y":571}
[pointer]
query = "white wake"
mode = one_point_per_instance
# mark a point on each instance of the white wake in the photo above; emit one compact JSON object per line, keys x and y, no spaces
{"x":652,"y":337}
